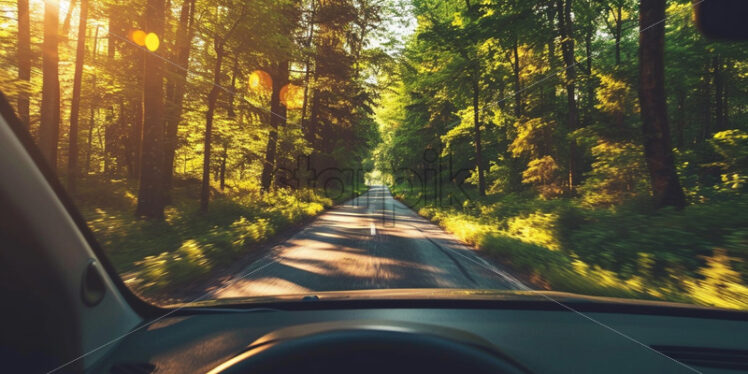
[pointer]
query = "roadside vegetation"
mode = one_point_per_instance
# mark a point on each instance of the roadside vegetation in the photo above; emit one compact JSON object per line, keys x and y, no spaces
{"x":157,"y":258}
{"x":695,"y":255}
{"x":596,"y":158}
{"x":191,"y":131}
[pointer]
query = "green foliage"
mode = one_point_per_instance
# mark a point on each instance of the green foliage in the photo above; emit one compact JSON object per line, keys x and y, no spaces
{"x":695,"y":255}
{"x":544,"y":174}
{"x":618,"y":174}
{"x":732,"y":145}
{"x":158,"y":257}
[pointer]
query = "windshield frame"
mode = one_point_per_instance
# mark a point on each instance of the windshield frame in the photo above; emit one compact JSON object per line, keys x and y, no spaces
{"x":142,"y":307}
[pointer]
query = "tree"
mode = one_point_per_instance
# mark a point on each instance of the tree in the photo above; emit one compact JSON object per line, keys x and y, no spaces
{"x":658,"y":152}
{"x":176,"y":86}
{"x":219,"y":47}
{"x":566,"y":33}
{"x":49,"y":127}
{"x":76,"y":102}
{"x":24,"y":58}
{"x":446,"y":37}
{"x":278,"y":114}
{"x":151,"y":193}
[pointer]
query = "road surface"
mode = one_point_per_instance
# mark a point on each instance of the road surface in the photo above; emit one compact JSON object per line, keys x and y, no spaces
{"x":371,"y":242}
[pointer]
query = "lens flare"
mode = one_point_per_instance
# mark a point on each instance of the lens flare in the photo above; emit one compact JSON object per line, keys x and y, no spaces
{"x":152,"y":42}
{"x":260,"y":82}
{"x":138,"y":37}
{"x":292,"y":96}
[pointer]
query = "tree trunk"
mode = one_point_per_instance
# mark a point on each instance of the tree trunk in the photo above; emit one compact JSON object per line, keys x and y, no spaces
{"x":50,"y":112}
{"x":277,"y":118}
{"x":590,"y":87}
{"x":76,"y":102}
{"x":310,"y":130}
{"x":93,"y":99}
{"x":567,"y":47}
{"x":618,"y":31}
{"x":477,"y":138}
{"x":234,"y":72}
{"x":212,"y":100}
{"x":24,"y":59}
{"x":151,"y":193}
{"x":706,"y":111}
{"x":517,"y":82}
{"x":681,"y":122}
{"x":719,"y":118}
{"x":133,"y":149}
{"x":657,"y":150}
{"x":176,"y":90}
{"x":222,"y":172}
{"x":307,"y":72}
{"x":725,"y":108}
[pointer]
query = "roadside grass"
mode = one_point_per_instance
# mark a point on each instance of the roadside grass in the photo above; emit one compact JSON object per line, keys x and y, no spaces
{"x":698,"y":255}
{"x":156,"y":257}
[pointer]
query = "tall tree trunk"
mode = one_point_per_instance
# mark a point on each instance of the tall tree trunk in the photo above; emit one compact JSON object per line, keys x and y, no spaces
{"x":517,"y":82}
{"x":24,"y":59}
{"x":93,"y":100}
{"x":76,"y":102}
{"x":212,"y":100}
{"x":706,"y":110}
{"x":224,"y":157}
{"x":590,"y":87}
{"x":50,"y":112}
{"x":176,"y":89}
{"x":133,"y":149}
{"x":277,"y":118}
{"x":618,"y":32}
{"x":477,"y":137}
{"x":719,"y":118}
{"x":552,"y":63}
{"x":681,"y":121}
{"x":567,"y":35}
{"x":218,"y":47}
{"x":89,"y":140}
{"x":307,"y":72}
{"x":310,"y":130}
{"x":657,"y":150}
{"x":725,"y":108}
{"x":234,"y":72}
{"x":151,"y":193}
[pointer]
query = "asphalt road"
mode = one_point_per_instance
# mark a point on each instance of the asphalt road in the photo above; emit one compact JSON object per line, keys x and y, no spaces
{"x":370,"y":242}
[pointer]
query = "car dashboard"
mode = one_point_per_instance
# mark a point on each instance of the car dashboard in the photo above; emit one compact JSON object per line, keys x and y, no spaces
{"x":540,"y":337}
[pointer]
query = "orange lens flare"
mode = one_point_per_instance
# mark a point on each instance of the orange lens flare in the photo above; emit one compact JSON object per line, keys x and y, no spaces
{"x":138,"y":37}
{"x":260,"y":82}
{"x":292,"y":96}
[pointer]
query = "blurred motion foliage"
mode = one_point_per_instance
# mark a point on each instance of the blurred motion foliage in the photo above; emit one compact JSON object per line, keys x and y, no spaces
{"x":159,"y":258}
{"x":569,"y":199}
{"x":696,"y":255}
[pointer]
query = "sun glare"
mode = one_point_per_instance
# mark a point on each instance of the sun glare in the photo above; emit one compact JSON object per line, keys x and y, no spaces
{"x":152,"y":42}
{"x":260,"y":81}
{"x":138,"y":37}
{"x":292,"y":96}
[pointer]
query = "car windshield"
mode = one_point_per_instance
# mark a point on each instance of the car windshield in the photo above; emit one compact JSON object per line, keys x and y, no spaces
{"x":236,"y":149}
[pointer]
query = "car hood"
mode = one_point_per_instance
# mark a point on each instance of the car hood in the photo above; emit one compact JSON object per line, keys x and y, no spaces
{"x":460,"y":298}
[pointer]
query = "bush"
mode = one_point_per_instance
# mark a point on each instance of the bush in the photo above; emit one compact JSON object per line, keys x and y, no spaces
{"x":697,"y":255}
{"x":157,"y":256}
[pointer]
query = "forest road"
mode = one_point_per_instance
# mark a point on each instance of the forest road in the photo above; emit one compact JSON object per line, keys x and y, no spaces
{"x":370,"y":242}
